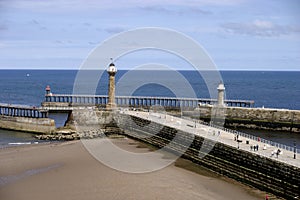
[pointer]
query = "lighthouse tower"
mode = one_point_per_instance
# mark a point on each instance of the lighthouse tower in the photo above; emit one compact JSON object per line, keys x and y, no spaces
{"x":221,"y":89}
{"x":48,"y":90}
{"x":111,"y":70}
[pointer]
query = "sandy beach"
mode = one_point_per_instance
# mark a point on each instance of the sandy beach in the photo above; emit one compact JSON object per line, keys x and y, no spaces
{"x":67,"y":171}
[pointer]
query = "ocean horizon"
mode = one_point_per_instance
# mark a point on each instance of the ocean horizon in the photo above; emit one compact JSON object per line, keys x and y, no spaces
{"x":269,"y":89}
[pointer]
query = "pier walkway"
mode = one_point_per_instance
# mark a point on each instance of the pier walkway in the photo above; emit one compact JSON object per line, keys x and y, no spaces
{"x":225,"y":136}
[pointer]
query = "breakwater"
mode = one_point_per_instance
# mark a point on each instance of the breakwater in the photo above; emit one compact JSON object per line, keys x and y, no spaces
{"x":253,"y":118}
{"x":85,"y":123}
{"x":258,"y":171}
{"x":25,"y":118}
{"x":34,"y":125}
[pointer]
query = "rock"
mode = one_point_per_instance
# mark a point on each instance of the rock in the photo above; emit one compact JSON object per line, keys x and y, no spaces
{"x":69,"y":137}
{"x":65,"y":131}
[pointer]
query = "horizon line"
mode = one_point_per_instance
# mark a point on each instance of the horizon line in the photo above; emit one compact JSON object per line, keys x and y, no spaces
{"x":262,"y":70}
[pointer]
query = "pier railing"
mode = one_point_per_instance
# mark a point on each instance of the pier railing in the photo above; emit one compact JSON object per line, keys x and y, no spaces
{"x":249,"y":136}
{"x":22,"y":111}
{"x":140,"y":101}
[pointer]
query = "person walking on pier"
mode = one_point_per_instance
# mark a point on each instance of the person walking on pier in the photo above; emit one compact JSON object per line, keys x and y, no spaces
{"x":278,"y":152}
{"x":236,"y":137}
{"x":273,"y":152}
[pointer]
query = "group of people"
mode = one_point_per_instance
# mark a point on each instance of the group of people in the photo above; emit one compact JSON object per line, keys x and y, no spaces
{"x":276,"y":152}
{"x":254,"y":147}
{"x":236,"y":137}
{"x":218,"y":133}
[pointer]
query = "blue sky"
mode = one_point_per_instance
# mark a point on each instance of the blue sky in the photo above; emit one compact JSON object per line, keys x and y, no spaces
{"x":237,"y":34}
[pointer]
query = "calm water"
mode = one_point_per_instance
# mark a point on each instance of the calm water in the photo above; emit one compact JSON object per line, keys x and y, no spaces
{"x":7,"y":137}
{"x":278,"y":137}
{"x":268,"y":89}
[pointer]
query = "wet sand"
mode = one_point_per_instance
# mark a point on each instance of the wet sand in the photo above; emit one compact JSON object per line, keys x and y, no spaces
{"x":67,"y":171}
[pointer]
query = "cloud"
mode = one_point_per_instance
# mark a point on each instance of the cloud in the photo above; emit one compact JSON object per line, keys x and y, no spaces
{"x":43,"y":28}
{"x":176,"y":11}
{"x":4,"y":23}
{"x":78,"y":5}
{"x":34,"y":21}
{"x":86,"y":24}
{"x":37,"y":24}
{"x":260,"y":28}
{"x":113,"y":30}
{"x":3,"y":27}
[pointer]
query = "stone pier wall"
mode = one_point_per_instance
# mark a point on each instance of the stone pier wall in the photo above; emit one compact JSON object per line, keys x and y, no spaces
{"x":91,"y":120}
{"x":91,"y":117}
{"x":263,"y":173}
{"x":35,"y":125}
{"x":255,"y":118}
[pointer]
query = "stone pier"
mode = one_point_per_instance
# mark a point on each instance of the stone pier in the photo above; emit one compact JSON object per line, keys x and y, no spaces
{"x":255,"y":118}
{"x":279,"y":176}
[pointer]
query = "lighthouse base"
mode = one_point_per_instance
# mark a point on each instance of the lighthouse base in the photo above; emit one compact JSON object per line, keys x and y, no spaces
{"x":111,"y":106}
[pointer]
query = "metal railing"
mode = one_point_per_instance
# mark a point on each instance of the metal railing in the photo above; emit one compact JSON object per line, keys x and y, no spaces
{"x":247,"y":136}
{"x":139,"y":101}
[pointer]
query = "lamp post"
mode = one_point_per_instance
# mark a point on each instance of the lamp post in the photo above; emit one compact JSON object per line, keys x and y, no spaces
{"x":295,"y":149}
{"x":238,"y":142}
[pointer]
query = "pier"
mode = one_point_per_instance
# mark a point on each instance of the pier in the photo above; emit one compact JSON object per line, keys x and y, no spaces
{"x":26,"y":118}
{"x":221,"y":134}
{"x":140,"y":101}
{"x":217,"y":149}
{"x":22,"y":111}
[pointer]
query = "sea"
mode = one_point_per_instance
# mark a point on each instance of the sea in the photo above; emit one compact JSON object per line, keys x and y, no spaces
{"x":269,"y":89}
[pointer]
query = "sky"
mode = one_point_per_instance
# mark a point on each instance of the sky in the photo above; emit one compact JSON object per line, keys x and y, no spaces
{"x":236,"y":34}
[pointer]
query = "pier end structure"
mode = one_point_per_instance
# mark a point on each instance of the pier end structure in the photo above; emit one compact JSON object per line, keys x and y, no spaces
{"x":221,"y":91}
